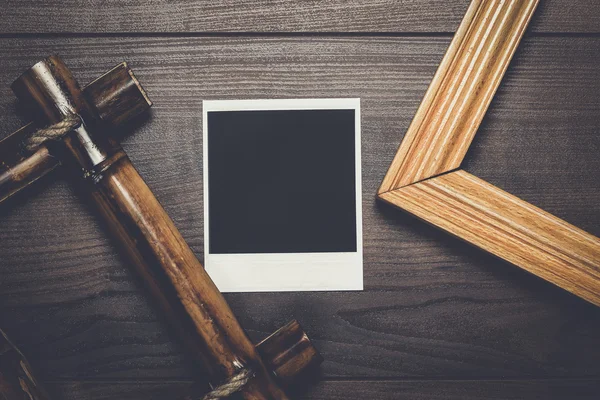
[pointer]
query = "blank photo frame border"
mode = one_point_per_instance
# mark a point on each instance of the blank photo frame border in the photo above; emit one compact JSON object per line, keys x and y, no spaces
{"x":280,"y":272}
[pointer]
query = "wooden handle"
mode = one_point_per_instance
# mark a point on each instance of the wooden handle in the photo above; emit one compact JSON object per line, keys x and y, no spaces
{"x":168,"y":266}
{"x":289,"y":353}
{"x":116,"y":87}
{"x":184,"y":291}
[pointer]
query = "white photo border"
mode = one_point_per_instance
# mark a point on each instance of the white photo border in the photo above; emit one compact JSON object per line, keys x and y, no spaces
{"x":282,"y":272}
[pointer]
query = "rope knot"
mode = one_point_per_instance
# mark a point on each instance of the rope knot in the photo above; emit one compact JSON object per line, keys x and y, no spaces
{"x":52,"y":132}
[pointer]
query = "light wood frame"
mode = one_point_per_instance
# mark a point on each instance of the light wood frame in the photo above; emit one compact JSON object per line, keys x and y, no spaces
{"x":425,"y":180}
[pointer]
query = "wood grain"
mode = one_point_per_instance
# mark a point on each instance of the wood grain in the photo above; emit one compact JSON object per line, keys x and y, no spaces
{"x":160,"y":16}
{"x":508,"y":227}
{"x":290,"y":353}
{"x":116,"y":96}
{"x":433,"y":306}
{"x":470,"y":208}
{"x":460,"y":92}
{"x":17,"y":380}
{"x":558,"y":389}
{"x":180,"y":286}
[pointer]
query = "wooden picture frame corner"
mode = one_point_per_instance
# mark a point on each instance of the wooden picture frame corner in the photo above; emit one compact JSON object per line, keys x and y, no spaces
{"x":425,"y":178}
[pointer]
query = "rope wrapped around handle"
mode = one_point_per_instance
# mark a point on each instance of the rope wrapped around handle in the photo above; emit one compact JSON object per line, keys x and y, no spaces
{"x":233,"y":385}
{"x":52,"y":132}
{"x":56,"y":132}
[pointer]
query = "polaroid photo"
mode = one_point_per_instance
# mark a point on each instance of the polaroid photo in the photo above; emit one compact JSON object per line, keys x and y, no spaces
{"x":282,"y":194}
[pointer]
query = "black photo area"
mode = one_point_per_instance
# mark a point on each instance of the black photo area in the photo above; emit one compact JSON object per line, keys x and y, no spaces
{"x":282,"y":181}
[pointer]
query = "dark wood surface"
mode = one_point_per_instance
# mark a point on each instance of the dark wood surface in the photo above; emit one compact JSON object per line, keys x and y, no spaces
{"x":167,"y":16}
{"x":554,"y":389}
{"x":437,"y":317}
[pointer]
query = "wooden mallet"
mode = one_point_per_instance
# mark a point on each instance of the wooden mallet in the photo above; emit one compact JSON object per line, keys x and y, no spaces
{"x":188,"y":298}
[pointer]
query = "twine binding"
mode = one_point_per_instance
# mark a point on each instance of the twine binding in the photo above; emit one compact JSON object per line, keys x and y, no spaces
{"x":52,"y":132}
{"x":56,"y":132}
{"x":233,"y":385}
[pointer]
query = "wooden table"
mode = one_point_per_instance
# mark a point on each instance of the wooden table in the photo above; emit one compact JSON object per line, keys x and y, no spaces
{"x":437,"y":319}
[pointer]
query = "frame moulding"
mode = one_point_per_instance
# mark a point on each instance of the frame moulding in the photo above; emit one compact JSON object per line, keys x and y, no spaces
{"x":425,"y":180}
